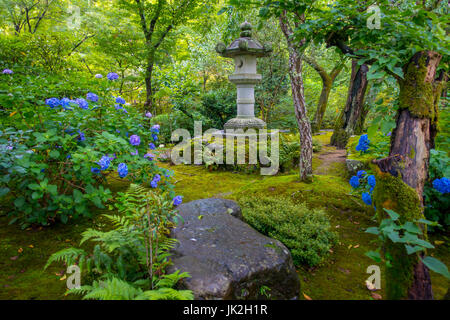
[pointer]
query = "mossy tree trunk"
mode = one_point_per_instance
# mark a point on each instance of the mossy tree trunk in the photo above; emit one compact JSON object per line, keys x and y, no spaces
{"x":327,"y":83}
{"x":401,"y":176}
{"x":369,"y":99}
{"x":295,"y":74}
{"x":348,"y":118}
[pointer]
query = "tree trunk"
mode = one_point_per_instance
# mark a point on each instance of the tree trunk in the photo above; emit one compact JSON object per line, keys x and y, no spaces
{"x":401,"y":176}
{"x":369,"y":99}
{"x":148,"y":85}
{"x":295,"y":74}
{"x":321,"y":106}
{"x":348,"y":119}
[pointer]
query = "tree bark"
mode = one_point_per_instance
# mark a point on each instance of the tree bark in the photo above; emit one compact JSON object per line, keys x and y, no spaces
{"x":148,"y":85}
{"x":327,"y":83}
{"x":295,"y":74}
{"x":406,"y":168}
{"x":348,"y":119}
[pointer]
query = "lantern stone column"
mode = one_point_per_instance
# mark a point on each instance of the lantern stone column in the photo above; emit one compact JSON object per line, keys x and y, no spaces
{"x":244,"y":51}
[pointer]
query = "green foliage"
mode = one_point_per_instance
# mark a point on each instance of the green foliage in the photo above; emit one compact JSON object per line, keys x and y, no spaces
{"x":49,"y":172}
{"x":129,"y":261}
{"x":306,"y":232}
{"x":437,"y":205}
{"x":411,"y":235}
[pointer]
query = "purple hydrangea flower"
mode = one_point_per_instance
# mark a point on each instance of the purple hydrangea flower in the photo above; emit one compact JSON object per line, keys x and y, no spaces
{"x":149,"y":156}
{"x":177,"y":200}
{"x":83,"y":104}
{"x":157,"y":178}
{"x":154,"y":184}
{"x":98,"y":76}
{"x":148,"y":115}
{"x":53,"y":102}
{"x":135,"y":153}
{"x":92,"y":97}
{"x":151,"y":146}
{"x":112,"y":76}
{"x":122,"y":170}
{"x":120,"y":100}
{"x":135,"y":140}
{"x":7,"y":71}
{"x":118,"y":107}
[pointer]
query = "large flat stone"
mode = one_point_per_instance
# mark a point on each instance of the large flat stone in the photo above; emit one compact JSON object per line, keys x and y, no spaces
{"x":226,"y":258}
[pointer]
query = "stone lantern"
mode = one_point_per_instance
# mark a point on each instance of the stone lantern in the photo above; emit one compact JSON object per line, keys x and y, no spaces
{"x":244,"y":51}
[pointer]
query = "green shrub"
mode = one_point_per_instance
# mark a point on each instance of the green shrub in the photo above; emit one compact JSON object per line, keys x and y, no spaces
{"x":50,"y":154}
{"x":306,"y":232}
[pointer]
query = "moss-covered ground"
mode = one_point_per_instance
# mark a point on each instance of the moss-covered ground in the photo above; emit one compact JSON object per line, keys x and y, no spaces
{"x":24,"y":253}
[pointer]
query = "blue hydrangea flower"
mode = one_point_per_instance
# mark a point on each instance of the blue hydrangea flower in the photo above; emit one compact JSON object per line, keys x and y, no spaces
{"x":104,"y":162}
{"x":168,"y":174}
{"x":122,"y":170}
{"x":363,"y":143}
{"x":148,"y":115}
{"x":154,"y":184}
{"x":177,"y":200}
{"x":442,"y":185}
{"x":366,"y":198}
{"x":135,"y":140}
{"x":53,"y":102}
{"x":95,"y":170}
{"x":98,"y":76}
{"x":83,"y":104}
{"x":360,"y":173}
{"x":157,"y":178}
{"x":151,"y":146}
{"x":155,"y":128}
{"x":7,"y":71}
{"x":354,"y":182}
{"x":120,"y":100}
{"x":371,"y":180}
{"x":155,"y":137}
{"x":92,"y":97}
{"x":112,"y":76}
{"x":81,"y":136}
{"x":149,"y":156}
{"x":118,"y":107}
{"x":65,"y":103}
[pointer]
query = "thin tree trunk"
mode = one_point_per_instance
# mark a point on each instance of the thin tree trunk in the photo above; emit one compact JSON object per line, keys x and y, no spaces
{"x":321,"y":106}
{"x":348,"y":119}
{"x":327,"y":83}
{"x":401,"y":176}
{"x":148,"y":85}
{"x":295,"y":74}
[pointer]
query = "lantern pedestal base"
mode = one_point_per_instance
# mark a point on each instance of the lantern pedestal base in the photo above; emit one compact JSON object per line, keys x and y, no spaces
{"x":244,"y":123}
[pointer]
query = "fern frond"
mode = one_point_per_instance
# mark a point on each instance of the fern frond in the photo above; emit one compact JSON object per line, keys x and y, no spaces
{"x":68,"y":256}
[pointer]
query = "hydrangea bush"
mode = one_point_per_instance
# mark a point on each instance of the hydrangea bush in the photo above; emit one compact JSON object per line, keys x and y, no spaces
{"x":59,"y":168}
{"x":437,"y":189}
{"x":364,"y":184}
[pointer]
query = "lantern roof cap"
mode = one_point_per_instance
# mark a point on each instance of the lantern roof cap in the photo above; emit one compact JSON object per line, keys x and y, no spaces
{"x":244,"y":45}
